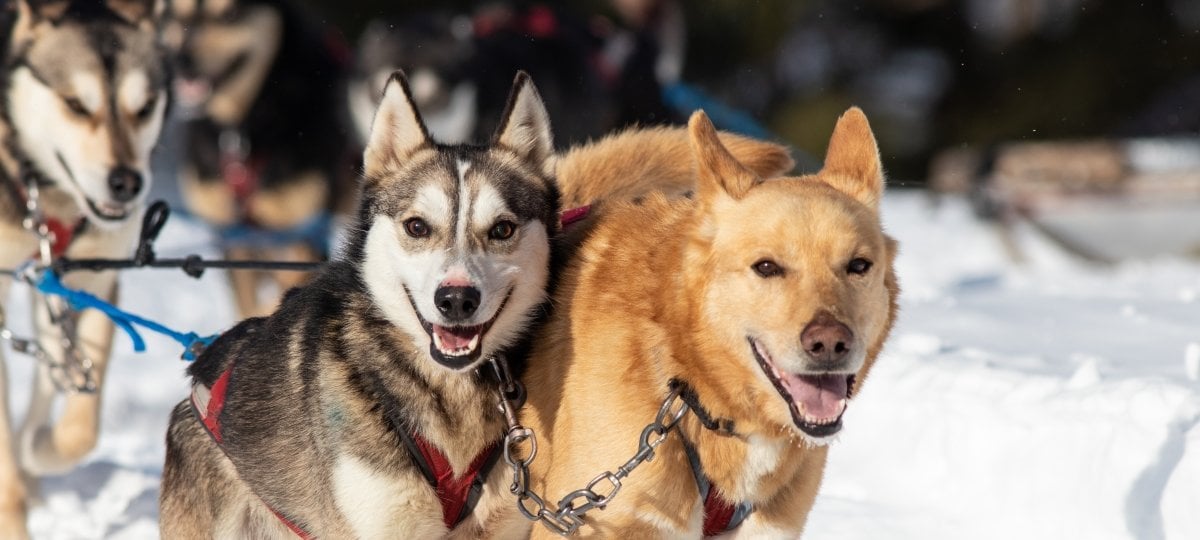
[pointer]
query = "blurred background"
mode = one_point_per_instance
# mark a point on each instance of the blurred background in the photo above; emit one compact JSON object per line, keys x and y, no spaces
{"x":931,"y":74}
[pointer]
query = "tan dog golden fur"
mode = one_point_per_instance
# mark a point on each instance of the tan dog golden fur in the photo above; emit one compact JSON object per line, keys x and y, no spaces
{"x":769,"y":299}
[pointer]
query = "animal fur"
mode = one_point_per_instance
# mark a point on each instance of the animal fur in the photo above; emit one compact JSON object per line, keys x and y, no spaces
{"x":724,"y":291}
{"x":83,"y":98}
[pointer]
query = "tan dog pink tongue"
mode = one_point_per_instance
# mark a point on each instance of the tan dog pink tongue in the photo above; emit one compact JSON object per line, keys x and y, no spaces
{"x":820,"y":397}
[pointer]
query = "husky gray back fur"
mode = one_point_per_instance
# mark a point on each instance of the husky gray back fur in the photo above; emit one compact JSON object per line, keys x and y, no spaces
{"x":320,"y":393}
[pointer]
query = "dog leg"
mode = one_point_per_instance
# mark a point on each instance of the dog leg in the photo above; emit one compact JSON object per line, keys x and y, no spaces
{"x":285,"y":280}
{"x":12,"y":485}
{"x":245,"y":285}
{"x":52,"y":449}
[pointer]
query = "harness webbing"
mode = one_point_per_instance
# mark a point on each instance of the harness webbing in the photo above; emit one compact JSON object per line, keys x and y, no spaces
{"x":719,"y":515}
{"x":457,"y":494}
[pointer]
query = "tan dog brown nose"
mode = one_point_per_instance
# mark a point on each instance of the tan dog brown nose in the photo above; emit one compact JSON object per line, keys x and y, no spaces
{"x":826,"y":340}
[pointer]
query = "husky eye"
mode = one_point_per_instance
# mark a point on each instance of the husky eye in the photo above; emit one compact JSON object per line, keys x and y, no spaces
{"x":767,"y":268}
{"x":77,"y":107}
{"x":502,"y":230}
{"x":858,"y":266}
{"x":144,"y":113}
{"x":416,"y":228}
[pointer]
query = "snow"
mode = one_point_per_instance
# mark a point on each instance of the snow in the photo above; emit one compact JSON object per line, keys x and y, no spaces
{"x":1050,"y":399}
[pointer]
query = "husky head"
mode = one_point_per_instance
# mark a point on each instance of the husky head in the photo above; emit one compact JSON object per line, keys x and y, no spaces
{"x":434,"y":50}
{"x":793,"y":277}
{"x":85,"y":96}
{"x":224,"y":49}
{"x":455,"y":245}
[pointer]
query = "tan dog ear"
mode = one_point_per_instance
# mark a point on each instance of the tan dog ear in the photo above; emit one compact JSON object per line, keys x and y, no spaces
{"x":716,"y":169}
{"x":852,"y":162}
{"x":397,"y":129}
{"x":525,"y":125}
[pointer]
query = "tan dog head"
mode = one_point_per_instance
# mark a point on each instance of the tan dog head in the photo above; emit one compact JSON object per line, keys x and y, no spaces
{"x":791,"y":279}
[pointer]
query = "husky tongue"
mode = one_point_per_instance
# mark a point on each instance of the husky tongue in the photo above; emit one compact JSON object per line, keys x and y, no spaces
{"x":454,"y":339}
{"x":821,"y":397}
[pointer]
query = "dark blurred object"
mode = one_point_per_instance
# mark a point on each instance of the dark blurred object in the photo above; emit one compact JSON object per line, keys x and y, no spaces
{"x":593,"y":74}
{"x":267,"y":153}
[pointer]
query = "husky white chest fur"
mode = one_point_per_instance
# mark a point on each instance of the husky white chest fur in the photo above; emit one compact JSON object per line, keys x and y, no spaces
{"x":360,"y":409}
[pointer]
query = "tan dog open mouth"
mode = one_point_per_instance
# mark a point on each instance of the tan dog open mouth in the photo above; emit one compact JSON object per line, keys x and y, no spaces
{"x":816,"y":401}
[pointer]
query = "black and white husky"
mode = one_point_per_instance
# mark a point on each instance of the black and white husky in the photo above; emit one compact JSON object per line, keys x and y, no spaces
{"x":359,"y":408}
{"x":82,"y":99}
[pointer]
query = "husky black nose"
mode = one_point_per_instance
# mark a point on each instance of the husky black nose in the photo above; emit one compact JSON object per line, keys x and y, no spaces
{"x":124,"y":183}
{"x":457,"y":303}
{"x":826,"y":340}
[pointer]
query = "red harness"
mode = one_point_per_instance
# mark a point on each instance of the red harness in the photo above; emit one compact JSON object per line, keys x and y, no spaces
{"x":458,"y":494}
{"x":61,"y":234}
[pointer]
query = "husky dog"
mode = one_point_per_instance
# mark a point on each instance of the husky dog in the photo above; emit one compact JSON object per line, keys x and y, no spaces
{"x":763,"y":301}
{"x":359,"y":408}
{"x":260,"y":85}
{"x":84,"y":94}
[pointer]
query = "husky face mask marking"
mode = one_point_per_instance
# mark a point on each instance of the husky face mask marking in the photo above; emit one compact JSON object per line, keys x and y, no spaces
{"x":457,"y":242}
{"x":87,"y":103}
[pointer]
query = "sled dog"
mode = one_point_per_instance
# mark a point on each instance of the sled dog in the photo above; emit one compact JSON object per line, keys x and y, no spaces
{"x":360,"y":409}
{"x":761,"y":302}
{"x":84,"y":94}
{"x":266,"y":158}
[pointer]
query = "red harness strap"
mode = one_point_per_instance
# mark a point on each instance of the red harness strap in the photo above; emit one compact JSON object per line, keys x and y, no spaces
{"x":573,"y":215}
{"x":717,"y":514}
{"x":61,"y":235}
{"x":457,"y":494}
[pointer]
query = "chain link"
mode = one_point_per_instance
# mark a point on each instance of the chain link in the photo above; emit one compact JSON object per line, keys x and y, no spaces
{"x":566,"y":517}
{"x":74,"y":372}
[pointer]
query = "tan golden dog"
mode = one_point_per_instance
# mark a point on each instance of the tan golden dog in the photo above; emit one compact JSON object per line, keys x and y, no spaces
{"x":767,"y":301}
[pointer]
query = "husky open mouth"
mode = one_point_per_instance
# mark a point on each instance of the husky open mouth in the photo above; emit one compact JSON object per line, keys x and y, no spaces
{"x":105,"y":211}
{"x":456,"y":347}
{"x":816,"y":401}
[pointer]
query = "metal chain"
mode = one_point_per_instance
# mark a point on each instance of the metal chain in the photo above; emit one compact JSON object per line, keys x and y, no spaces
{"x":566,"y":517}
{"x":74,"y":372}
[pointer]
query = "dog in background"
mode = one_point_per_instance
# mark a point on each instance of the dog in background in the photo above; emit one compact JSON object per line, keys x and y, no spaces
{"x":593,"y":75}
{"x":267,"y":154}
{"x":84,"y":96}
{"x":763,"y":301}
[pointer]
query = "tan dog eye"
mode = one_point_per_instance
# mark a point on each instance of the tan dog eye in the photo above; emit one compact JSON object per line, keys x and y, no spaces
{"x":502,"y":230}
{"x":416,"y":228}
{"x":858,"y":266}
{"x":767,"y":268}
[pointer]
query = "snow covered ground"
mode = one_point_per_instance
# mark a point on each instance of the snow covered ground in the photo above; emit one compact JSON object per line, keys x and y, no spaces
{"x":1050,"y":400}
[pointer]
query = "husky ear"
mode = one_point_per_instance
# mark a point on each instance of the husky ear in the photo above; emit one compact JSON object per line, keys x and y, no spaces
{"x":525,"y":126}
{"x":397,"y":129}
{"x":852,"y":162}
{"x":716,"y":169}
{"x":137,"y":11}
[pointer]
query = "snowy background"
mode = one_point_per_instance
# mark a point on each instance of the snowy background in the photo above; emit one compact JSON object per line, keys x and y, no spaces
{"x":1054,"y":399}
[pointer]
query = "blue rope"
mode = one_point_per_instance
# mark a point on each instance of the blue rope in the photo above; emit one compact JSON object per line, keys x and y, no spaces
{"x":686,"y":98}
{"x":192,"y":343}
